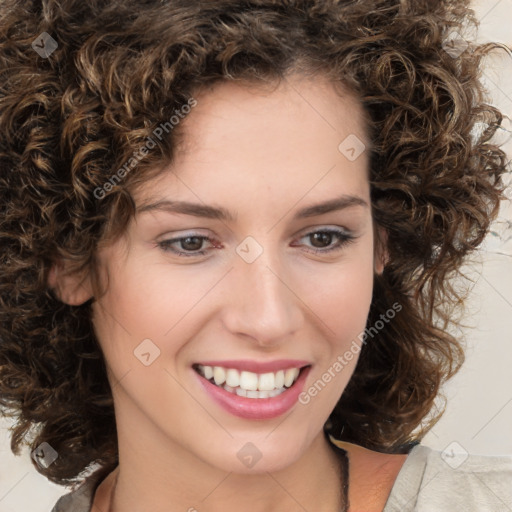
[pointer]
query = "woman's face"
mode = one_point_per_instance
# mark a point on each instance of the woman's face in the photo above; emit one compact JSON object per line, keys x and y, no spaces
{"x":257,"y":257}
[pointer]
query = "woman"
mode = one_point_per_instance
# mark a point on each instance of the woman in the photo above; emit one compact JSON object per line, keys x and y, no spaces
{"x":226,"y":236}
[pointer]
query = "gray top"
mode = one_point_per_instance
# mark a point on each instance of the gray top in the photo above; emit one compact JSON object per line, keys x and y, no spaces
{"x":426,"y":483}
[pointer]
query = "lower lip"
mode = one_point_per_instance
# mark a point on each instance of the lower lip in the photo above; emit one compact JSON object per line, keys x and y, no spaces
{"x":256,"y":408}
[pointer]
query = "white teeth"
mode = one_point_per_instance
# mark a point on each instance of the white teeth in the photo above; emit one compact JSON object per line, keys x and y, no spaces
{"x":249,"y":381}
{"x":266,"y":382}
{"x":232,"y":378}
{"x":219,"y":375}
{"x":241,"y":392}
{"x":208,"y":372}
{"x":290,"y":375}
{"x":253,"y":394}
{"x":279,"y":379}
{"x":249,"y":384}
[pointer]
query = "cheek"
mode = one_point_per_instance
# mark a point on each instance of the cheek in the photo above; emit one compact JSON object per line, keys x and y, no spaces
{"x":147,"y":302}
{"x":126,"y":316}
{"x":343,"y":293}
{"x":140,"y":302}
{"x":343,"y":305}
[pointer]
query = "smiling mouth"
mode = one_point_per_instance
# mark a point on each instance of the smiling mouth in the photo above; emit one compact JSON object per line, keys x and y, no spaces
{"x":250,"y":384}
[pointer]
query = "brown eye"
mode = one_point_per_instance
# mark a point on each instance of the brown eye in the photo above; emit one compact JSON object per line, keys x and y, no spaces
{"x":321,"y":239}
{"x":186,"y":246}
{"x":327,"y":240}
{"x":191,"y":243}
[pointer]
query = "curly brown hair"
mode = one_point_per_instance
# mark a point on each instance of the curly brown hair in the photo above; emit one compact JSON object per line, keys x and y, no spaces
{"x":69,"y":119}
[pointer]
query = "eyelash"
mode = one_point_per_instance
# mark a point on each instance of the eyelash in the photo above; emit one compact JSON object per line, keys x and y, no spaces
{"x":344,"y":239}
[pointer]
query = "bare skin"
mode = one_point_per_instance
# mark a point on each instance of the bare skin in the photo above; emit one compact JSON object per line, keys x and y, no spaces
{"x":372,"y":476}
{"x":263,"y":156}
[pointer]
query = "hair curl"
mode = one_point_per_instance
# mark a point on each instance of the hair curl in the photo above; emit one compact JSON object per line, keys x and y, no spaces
{"x":70,"y":120}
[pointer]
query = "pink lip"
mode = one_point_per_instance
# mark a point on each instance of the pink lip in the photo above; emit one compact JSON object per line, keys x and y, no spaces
{"x":254,"y":408}
{"x":258,"y":367}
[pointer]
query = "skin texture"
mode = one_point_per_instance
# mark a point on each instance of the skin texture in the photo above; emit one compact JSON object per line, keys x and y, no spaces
{"x":74,"y":121}
{"x":372,"y":476}
{"x":262,"y":155}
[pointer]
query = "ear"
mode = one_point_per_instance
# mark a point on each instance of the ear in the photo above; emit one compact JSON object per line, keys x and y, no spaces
{"x":72,"y":289}
{"x":381,"y":250}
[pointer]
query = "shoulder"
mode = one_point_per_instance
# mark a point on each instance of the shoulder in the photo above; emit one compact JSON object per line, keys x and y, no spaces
{"x":426,"y":479}
{"x":371,"y":476}
{"x":443,"y":481}
{"x":81,"y":498}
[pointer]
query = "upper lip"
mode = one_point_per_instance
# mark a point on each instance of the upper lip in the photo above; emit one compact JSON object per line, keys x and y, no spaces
{"x":257,"y":366}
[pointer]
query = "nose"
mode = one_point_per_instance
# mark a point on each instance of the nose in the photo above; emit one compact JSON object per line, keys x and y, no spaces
{"x":263,"y":306}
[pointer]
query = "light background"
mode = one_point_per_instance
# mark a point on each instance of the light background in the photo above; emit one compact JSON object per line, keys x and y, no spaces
{"x":479,"y":412}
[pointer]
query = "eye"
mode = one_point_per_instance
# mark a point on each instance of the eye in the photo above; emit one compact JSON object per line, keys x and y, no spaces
{"x":322,"y":240}
{"x":190,"y":245}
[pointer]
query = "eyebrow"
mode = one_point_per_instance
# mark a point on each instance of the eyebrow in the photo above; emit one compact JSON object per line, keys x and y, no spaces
{"x":219,"y":213}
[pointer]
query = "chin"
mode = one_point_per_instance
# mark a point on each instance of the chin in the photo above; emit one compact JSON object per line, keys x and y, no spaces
{"x":258,"y":454}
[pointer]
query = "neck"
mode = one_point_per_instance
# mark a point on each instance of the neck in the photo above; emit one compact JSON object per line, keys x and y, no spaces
{"x":143,"y":482}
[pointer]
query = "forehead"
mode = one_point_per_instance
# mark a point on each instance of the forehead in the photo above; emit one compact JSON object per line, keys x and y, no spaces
{"x":288,"y":136}
{"x":297,"y":103}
